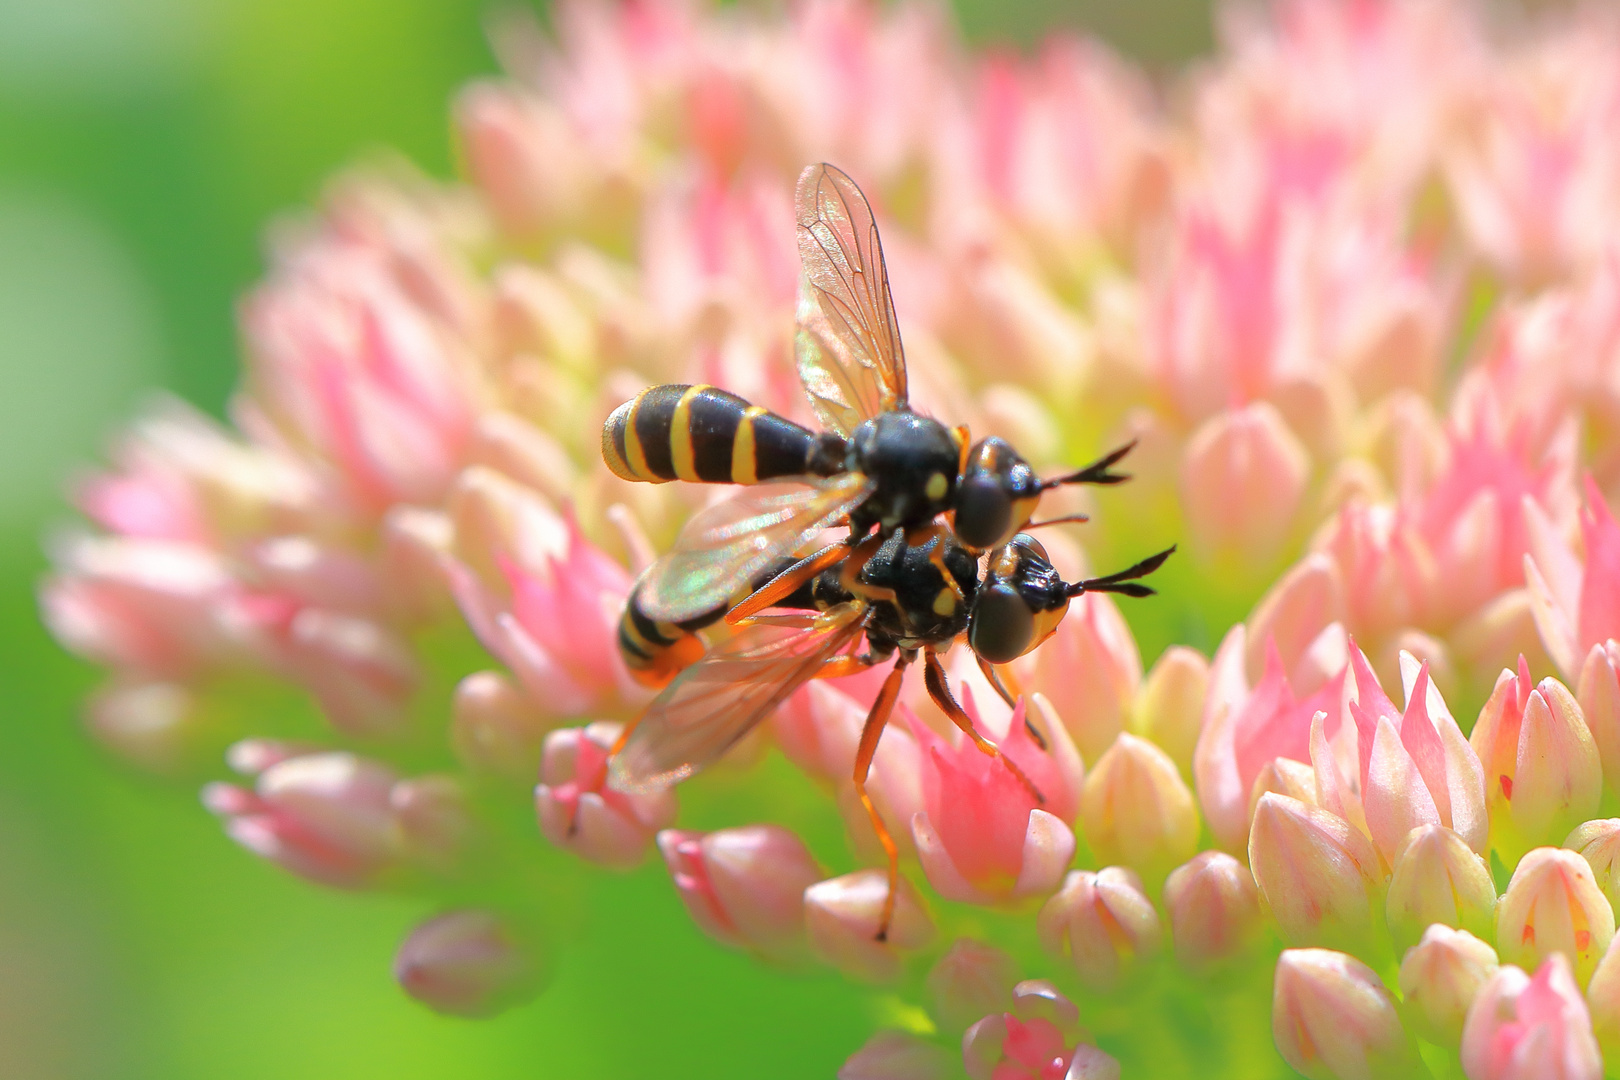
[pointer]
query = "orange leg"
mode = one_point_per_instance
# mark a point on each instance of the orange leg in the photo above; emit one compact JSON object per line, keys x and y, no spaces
{"x":784,"y":583}
{"x":964,"y":443}
{"x":940,"y":690}
{"x":936,"y":536}
{"x":848,"y":664}
{"x":876,"y":720}
{"x":1010,"y":696}
{"x":849,"y":573}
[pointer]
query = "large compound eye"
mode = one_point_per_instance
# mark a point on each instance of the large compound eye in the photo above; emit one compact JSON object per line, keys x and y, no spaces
{"x":983,"y":511}
{"x":1001,"y":626}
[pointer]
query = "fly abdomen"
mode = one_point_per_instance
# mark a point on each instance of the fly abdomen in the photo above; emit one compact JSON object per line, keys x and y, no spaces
{"x":655,"y":651}
{"x":706,"y":435}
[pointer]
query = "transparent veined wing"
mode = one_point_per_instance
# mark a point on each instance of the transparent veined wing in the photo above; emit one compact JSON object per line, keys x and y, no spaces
{"x":849,"y":354}
{"x":725,"y":546}
{"x":719,"y":699}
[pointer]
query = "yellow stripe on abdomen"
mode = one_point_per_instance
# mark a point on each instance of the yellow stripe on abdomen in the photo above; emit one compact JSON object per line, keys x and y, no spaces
{"x":680,"y":436}
{"x":635,"y":457}
{"x":743,"y":464}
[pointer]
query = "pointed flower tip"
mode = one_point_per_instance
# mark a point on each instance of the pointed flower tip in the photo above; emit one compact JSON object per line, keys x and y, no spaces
{"x":1521,"y":1027}
{"x":1138,"y":811}
{"x":744,"y":886}
{"x":843,"y":915}
{"x":1553,"y":906}
{"x":1103,"y":923}
{"x":1319,"y":875}
{"x":1331,"y":1016}
{"x":1214,"y":909}
{"x":1439,"y":979}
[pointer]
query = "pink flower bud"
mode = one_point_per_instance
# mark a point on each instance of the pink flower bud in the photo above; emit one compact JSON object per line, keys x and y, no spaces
{"x":1244,"y":730}
{"x":1416,"y":767}
{"x":1332,"y":1019}
{"x":153,"y":725}
{"x":580,"y":812}
{"x":1440,"y":976}
{"x":539,"y":595}
{"x":1168,"y":710}
{"x":1542,"y":772}
{"x":1090,"y":670}
{"x":842,"y":916}
{"x":894,"y":1055}
{"x":983,"y":837}
{"x":1241,"y":483}
{"x":1599,"y":695}
{"x":1438,"y":879}
{"x":1031,"y":1040}
{"x":495,"y":728}
{"x":415,"y":543}
{"x":1285,"y":776}
{"x":1524,"y":1028}
{"x":361,"y":672}
{"x":970,"y":980}
{"x":1214,"y":909}
{"x":156,"y":607}
{"x":1553,"y":905}
{"x":1598,"y":842}
{"x":327,"y":817}
{"x":1603,"y":996}
{"x":1294,"y":613}
{"x":317,"y":575}
{"x":1319,"y":875}
{"x":1103,"y":922}
{"x":435,"y":821}
{"x":469,"y":963}
{"x":744,"y":886}
{"x":1137,"y":810}
{"x":1090,"y":1063}
{"x":1574,"y":599}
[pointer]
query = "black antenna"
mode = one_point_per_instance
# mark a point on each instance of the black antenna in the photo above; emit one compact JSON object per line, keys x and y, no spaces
{"x":1124,"y":582}
{"x":1095,"y":473}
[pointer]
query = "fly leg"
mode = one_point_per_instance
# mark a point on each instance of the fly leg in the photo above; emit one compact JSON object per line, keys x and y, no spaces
{"x":940,"y":690}
{"x":785,"y":583}
{"x":876,"y":720}
{"x":849,"y":574}
{"x":935,"y":535}
{"x":1010,"y":695}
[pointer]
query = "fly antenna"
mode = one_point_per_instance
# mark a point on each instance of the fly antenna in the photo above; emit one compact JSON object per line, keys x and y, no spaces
{"x":1095,"y":473}
{"x":1124,"y":582}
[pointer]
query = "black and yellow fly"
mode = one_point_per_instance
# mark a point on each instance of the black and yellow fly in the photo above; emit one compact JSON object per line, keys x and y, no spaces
{"x":909,"y":599}
{"x":877,"y":466}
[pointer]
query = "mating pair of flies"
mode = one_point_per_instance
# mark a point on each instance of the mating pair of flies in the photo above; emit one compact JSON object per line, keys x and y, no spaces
{"x":906,"y":581}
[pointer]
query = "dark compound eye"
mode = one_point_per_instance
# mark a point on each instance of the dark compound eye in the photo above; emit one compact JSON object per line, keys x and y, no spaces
{"x":1001,"y":626}
{"x":983,"y":511}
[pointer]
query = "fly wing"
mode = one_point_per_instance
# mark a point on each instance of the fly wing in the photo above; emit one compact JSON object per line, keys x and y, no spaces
{"x":719,"y":699}
{"x":727,"y":545}
{"x":849,"y":354}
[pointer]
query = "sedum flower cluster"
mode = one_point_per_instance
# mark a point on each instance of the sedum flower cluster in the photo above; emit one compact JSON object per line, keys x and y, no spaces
{"x":1353,"y":285}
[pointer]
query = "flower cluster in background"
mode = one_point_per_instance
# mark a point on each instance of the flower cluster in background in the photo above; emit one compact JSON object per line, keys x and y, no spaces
{"x":1354,"y":287}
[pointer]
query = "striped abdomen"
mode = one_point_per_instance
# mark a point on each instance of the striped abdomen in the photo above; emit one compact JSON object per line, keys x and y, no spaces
{"x":655,"y":652}
{"x":706,"y":435}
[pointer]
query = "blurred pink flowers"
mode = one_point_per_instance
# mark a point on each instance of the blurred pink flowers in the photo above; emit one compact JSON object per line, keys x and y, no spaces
{"x":1357,"y":298}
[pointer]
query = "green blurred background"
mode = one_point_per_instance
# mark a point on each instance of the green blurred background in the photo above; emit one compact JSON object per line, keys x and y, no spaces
{"x":144,"y":144}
